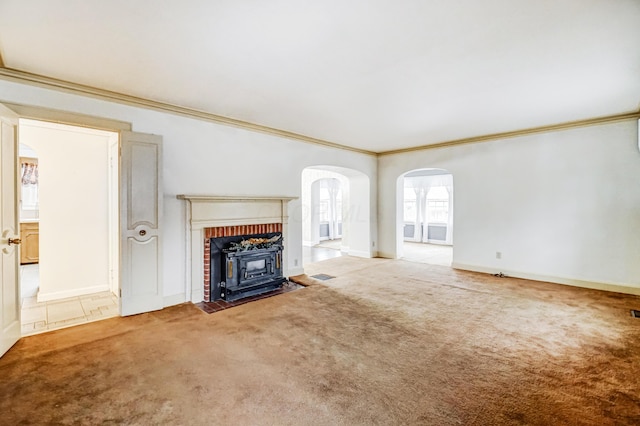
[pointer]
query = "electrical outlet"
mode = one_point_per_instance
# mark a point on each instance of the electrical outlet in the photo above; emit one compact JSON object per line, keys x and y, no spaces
{"x":498,"y":255}
{"x":295,"y":262}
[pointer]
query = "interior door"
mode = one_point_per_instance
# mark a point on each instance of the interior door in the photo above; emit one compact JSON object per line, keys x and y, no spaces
{"x":140,"y":218}
{"x":9,"y":256}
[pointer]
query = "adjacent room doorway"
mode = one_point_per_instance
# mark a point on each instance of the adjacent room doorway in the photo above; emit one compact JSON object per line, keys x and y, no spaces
{"x":68,"y":211}
{"x":133,"y":190}
{"x":426,"y":216}
{"x":336,"y":216}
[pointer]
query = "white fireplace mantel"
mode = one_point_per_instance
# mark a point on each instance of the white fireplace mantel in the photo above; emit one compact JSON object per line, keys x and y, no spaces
{"x":208,"y":211}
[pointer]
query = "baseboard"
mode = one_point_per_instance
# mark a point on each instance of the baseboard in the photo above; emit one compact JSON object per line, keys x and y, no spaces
{"x":174,"y":299}
{"x":55,"y":295}
{"x":618,"y":288}
{"x":360,"y":253}
{"x":385,"y":255}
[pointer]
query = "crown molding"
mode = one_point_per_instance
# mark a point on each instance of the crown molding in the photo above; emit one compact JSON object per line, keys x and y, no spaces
{"x":81,"y":89}
{"x":524,"y":132}
{"x":65,"y":117}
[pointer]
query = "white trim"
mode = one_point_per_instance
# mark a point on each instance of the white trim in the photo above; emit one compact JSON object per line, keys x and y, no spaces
{"x":386,"y":255}
{"x":618,"y":288}
{"x":209,"y":223}
{"x":360,"y":253}
{"x":438,"y":242}
{"x":55,"y":295}
{"x":174,"y":299}
{"x":187,"y":255}
{"x":50,"y":83}
{"x":233,"y":198}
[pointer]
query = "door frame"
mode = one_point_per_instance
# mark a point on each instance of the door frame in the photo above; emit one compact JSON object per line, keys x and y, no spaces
{"x":78,"y":120}
{"x":10,"y":322}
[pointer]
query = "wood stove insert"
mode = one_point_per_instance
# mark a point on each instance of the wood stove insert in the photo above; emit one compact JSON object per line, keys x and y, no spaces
{"x":245,"y":266}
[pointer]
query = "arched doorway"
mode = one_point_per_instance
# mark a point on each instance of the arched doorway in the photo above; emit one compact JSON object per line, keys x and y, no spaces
{"x":336,"y":219}
{"x":426,"y":219}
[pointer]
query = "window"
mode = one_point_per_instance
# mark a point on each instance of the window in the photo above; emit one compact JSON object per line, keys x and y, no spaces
{"x":324,"y":205}
{"x":438,"y":205}
{"x":330,"y":208}
{"x":409,"y":205}
{"x":29,"y":204}
{"x":325,"y":202}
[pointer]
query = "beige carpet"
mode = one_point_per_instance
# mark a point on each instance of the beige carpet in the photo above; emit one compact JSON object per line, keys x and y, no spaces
{"x":385,"y":342}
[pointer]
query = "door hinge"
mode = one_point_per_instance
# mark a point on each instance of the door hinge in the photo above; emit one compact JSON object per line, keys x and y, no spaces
{"x":120,"y":292}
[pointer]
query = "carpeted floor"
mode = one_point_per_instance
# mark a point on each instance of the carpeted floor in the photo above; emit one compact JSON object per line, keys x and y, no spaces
{"x":385,"y":342}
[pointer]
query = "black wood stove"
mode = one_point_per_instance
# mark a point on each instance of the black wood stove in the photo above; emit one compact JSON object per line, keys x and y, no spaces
{"x":250,"y":266}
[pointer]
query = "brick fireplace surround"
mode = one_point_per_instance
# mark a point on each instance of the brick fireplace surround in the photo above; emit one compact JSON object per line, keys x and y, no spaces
{"x":210,"y":216}
{"x":229,"y":231}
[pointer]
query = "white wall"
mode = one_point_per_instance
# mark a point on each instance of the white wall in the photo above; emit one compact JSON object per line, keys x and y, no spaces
{"x":73,"y":196}
{"x":202,"y":157}
{"x":560,"y":206}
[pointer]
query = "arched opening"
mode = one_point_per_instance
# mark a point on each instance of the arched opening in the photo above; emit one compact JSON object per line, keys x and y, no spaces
{"x":425,"y":216}
{"x":335,"y":219}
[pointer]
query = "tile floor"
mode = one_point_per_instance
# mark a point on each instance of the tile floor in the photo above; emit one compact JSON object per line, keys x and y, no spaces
{"x":322,"y":251}
{"x":56,"y":314}
{"x":433,"y":254}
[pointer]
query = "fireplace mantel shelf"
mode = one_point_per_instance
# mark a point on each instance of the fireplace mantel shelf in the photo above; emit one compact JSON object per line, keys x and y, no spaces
{"x":232,"y":198}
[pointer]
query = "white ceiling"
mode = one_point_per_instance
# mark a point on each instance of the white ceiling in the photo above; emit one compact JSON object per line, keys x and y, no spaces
{"x":377,"y":75}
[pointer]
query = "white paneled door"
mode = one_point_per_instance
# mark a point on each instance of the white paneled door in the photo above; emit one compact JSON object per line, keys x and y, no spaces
{"x":140,"y":218}
{"x":9,"y":238}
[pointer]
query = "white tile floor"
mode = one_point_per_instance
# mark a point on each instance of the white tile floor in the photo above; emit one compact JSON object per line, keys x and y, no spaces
{"x":323,"y":251}
{"x":433,"y":254}
{"x":56,"y":314}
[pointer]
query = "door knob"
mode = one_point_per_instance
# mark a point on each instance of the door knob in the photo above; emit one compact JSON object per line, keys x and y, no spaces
{"x":142,"y":233}
{"x":15,"y":241}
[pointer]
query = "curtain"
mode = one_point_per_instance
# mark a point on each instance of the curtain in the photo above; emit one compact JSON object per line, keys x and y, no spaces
{"x":29,"y":174}
{"x":29,"y":189}
{"x":445,"y":181}
{"x":333,"y":187}
{"x":421,"y":186}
